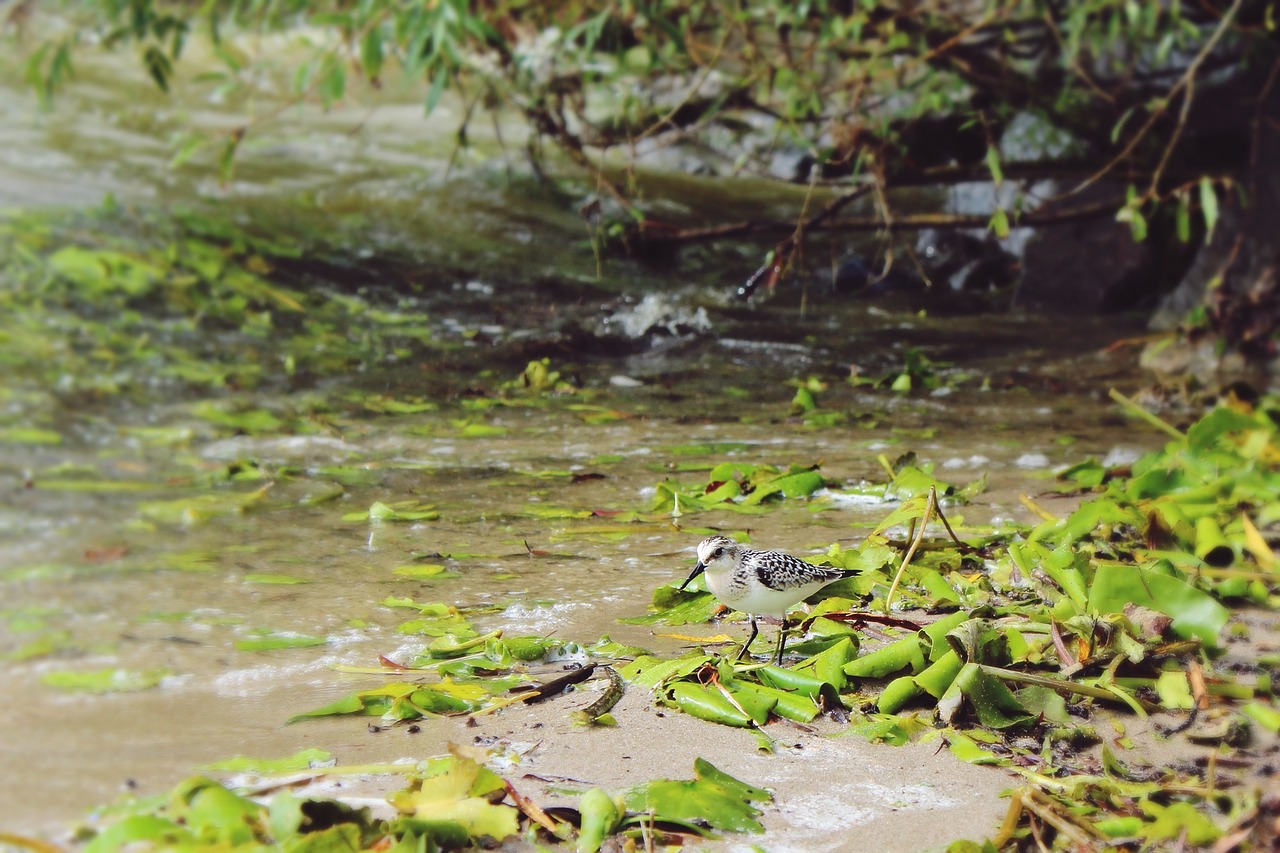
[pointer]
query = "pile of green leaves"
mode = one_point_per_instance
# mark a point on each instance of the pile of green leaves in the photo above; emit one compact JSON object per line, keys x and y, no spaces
{"x":740,"y":487}
{"x":1121,"y":605}
{"x":449,"y":802}
{"x":746,"y":487}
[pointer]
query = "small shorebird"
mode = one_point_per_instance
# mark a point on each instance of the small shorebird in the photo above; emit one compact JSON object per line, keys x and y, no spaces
{"x":758,"y":583}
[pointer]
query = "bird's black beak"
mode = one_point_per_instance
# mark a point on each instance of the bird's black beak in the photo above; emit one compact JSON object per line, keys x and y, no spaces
{"x":697,"y":570}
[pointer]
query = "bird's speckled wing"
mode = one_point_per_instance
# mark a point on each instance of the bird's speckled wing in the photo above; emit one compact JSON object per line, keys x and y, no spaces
{"x":782,"y":571}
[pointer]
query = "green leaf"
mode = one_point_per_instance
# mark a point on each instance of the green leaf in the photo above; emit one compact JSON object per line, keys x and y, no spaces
{"x":439,"y":80}
{"x":29,"y":435}
{"x":214,"y":812}
{"x":107,"y":680}
{"x":1045,"y":703}
{"x":1208,"y":206}
{"x":349,"y":704}
{"x":457,"y":796}
{"x":298,"y":761}
{"x":1195,"y":613}
{"x":1179,"y":821}
{"x":600,"y":817}
{"x":101,"y":271}
{"x":227,"y":159}
{"x":185,"y":151}
{"x":886,"y":660}
{"x":279,"y":641}
{"x":707,"y":703}
{"x":714,"y":797}
{"x":1212,"y":430}
{"x":371,"y":54}
{"x":425,"y":571}
{"x":999,"y":223}
{"x":674,"y":607}
{"x":334,"y":83}
{"x":406,"y":510}
{"x":797,"y":484}
{"x":888,"y":728}
{"x":967,"y":749}
{"x":1266,"y":716}
{"x":993,"y":164}
{"x":649,"y":671}
{"x":995,"y":704}
{"x":913,"y":482}
{"x":797,"y":707}
{"x":896,"y":694}
{"x":158,"y":833}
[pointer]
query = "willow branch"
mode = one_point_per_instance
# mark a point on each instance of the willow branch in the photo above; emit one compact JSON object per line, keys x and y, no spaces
{"x":1186,"y":82}
{"x":910,"y":222}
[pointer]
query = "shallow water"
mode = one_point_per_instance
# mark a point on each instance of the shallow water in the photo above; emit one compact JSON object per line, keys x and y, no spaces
{"x":106,"y":578}
{"x":91,"y":566}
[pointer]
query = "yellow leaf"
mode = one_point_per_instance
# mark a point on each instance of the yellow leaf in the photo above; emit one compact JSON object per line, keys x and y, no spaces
{"x":688,"y":638}
{"x":455,"y":795}
{"x":1256,"y":545}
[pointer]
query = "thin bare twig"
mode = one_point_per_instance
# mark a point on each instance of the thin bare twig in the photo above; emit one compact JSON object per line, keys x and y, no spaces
{"x":822,"y":222}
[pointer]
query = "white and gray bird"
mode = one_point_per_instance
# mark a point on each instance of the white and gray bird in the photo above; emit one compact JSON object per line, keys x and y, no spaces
{"x":758,"y":583}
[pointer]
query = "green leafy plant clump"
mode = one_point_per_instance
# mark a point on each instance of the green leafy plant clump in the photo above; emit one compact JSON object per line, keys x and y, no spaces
{"x":449,"y":802}
{"x":1122,"y":606}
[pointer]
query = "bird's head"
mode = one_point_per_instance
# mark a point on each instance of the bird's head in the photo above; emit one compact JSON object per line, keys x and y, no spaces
{"x":715,"y":554}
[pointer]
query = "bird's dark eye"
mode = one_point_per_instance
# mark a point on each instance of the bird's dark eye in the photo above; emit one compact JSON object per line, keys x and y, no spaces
{"x":717,"y":553}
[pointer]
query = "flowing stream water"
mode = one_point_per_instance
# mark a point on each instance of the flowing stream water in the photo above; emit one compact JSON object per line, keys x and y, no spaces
{"x":667,"y":373}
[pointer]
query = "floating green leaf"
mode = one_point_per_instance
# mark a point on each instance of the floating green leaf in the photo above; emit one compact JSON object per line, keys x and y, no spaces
{"x":273,"y":642}
{"x":106,"y":680}
{"x":406,"y":510}
{"x":298,"y":761}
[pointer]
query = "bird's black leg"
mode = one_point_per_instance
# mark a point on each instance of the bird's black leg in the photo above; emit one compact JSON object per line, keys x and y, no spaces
{"x":782,"y":639}
{"x":747,"y":644}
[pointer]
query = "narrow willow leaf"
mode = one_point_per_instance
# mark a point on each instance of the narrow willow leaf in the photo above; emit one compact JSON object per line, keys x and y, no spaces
{"x":227,"y":160}
{"x":993,"y":165}
{"x":158,"y":66}
{"x":190,"y":145}
{"x":371,"y":54}
{"x":1208,"y":206}
{"x":1183,"y":218}
{"x":1000,"y":223}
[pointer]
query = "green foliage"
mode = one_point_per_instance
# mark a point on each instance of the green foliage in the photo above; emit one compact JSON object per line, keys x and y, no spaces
{"x":1124,"y":599}
{"x":843,"y":82}
{"x":106,"y":680}
{"x":714,"y":797}
{"x":448,"y":802}
{"x":538,"y":378}
{"x":740,"y":487}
